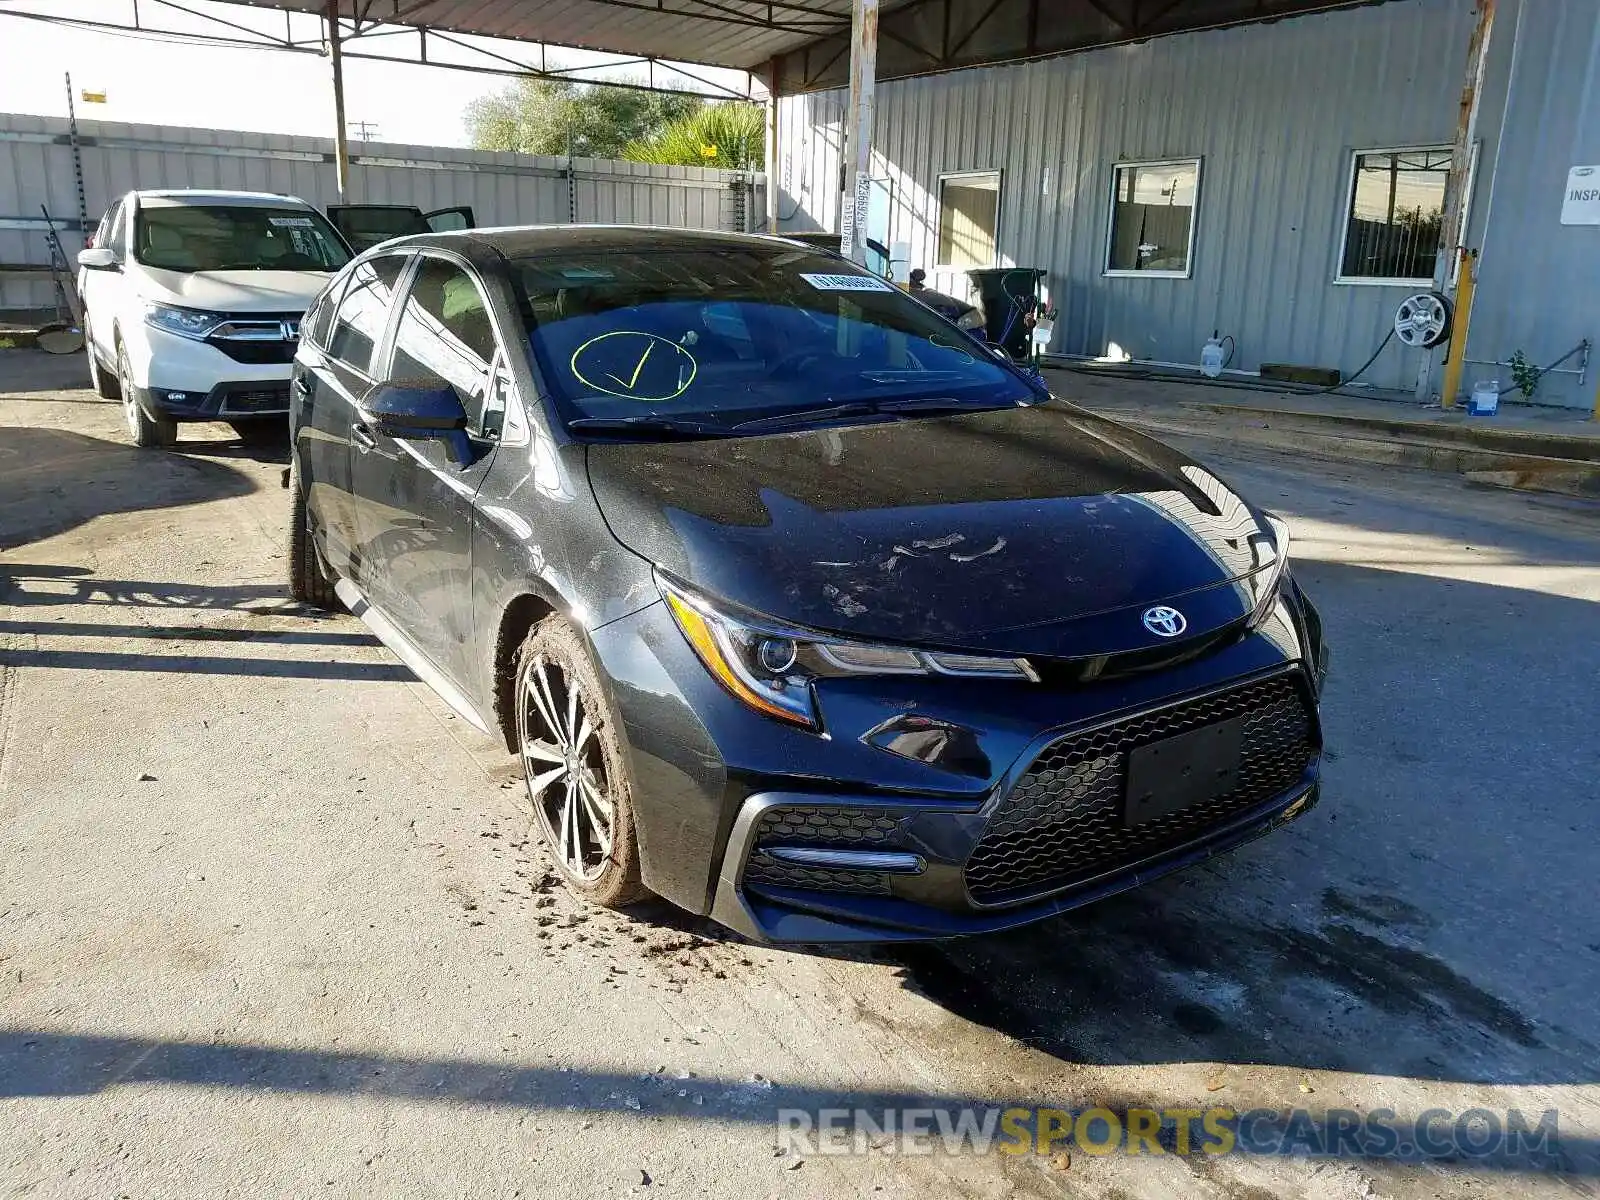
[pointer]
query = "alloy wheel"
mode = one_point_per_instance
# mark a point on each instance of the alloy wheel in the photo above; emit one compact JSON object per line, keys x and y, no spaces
{"x":130,"y":403}
{"x":566,"y":770}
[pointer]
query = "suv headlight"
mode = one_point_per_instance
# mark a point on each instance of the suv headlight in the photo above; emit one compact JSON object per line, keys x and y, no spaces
{"x":771,"y":666}
{"x":185,"y":322}
{"x":971,"y":319}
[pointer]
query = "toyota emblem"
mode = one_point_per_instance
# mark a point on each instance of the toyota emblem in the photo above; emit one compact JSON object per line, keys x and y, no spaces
{"x":1164,"y":622}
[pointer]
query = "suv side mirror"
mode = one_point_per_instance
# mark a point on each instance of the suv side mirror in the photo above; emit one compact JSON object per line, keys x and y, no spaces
{"x":417,"y":410}
{"x":99,"y":258}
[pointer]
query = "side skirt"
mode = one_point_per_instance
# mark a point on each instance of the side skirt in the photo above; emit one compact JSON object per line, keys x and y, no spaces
{"x":400,"y":645}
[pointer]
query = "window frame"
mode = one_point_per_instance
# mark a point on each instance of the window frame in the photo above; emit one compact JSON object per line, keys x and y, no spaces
{"x":499,"y":366}
{"x":998,"y":174}
{"x":1106,"y":269}
{"x":1346,"y":210}
{"x":382,"y":345}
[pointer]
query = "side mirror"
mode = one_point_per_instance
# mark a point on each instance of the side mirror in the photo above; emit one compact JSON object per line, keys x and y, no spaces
{"x":420,"y":410}
{"x":99,"y":258}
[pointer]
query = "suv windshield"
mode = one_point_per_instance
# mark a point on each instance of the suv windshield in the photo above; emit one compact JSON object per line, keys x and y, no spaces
{"x":228,"y":237}
{"x":713,"y":338}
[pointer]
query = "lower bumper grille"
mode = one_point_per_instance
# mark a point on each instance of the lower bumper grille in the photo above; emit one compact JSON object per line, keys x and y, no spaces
{"x":1062,"y":823}
{"x":762,"y":868}
{"x":823,"y":827}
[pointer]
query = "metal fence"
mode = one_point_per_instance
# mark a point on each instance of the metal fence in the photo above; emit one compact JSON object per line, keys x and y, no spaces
{"x":36,"y":167}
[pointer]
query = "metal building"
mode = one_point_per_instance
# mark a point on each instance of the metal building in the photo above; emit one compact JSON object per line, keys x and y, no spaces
{"x":1301,"y":168}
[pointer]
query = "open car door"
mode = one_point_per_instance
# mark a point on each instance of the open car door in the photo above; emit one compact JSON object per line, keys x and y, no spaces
{"x":443,"y":220}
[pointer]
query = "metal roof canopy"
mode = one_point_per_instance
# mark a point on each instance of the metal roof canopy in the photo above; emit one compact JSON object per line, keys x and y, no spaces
{"x":795,"y":45}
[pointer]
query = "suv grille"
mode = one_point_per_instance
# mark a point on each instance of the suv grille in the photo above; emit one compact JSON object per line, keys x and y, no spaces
{"x":1063,"y":822}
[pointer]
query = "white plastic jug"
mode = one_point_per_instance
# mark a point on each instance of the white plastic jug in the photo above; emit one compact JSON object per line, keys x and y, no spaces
{"x":1211,"y":357}
{"x":1485,"y":400}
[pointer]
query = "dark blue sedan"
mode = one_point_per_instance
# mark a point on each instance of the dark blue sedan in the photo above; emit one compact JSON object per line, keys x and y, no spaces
{"x":798,"y":606}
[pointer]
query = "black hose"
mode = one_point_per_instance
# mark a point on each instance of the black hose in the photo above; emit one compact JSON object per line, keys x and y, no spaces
{"x":1387,"y":338}
{"x":1232,"y":346}
{"x":1543,"y":371}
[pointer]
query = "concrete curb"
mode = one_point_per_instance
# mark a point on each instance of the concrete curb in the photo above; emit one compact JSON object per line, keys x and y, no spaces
{"x":1545,"y":444}
{"x":1352,"y":441}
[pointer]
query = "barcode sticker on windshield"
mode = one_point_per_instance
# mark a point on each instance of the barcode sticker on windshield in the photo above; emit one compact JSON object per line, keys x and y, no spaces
{"x":847,"y":283}
{"x":291,"y":222}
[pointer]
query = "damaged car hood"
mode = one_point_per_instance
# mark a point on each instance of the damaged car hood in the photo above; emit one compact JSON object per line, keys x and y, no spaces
{"x":1034,"y":530}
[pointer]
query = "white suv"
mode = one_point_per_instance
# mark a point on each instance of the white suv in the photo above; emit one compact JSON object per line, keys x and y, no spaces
{"x":192,"y":305}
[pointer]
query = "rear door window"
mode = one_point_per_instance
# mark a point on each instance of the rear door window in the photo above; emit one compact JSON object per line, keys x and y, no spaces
{"x":364,"y":311}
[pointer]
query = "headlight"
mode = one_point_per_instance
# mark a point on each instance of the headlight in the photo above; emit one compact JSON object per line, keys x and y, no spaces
{"x":185,"y":322}
{"x":771,"y":666}
{"x":1274,"y":568}
{"x":971,"y":319}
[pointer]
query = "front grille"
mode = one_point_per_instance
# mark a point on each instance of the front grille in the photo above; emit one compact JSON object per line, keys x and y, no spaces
{"x":255,"y":400}
{"x":1063,"y":821}
{"x":761,"y":868}
{"x":256,"y":352}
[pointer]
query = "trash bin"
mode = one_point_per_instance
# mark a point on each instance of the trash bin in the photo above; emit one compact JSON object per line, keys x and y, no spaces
{"x":1009,"y":296}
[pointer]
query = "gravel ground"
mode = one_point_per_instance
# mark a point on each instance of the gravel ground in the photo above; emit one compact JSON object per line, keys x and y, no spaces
{"x":271,"y":923}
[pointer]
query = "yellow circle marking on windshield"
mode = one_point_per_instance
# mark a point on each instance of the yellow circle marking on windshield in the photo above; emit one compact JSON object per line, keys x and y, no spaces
{"x":644,"y":366}
{"x":933,"y":340}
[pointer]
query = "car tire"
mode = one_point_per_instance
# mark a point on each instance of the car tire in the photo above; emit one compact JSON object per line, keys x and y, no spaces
{"x":577,"y":776}
{"x":104,"y":383}
{"x":145,"y":430}
{"x":308,"y":581}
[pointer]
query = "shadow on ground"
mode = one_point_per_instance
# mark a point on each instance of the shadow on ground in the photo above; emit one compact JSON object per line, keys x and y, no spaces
{"x":53,"y":480}
{"x":39,"y":1063}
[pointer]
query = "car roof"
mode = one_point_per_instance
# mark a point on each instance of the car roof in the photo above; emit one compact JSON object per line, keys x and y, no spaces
{"x":178,"y":196}
{"x":521,"y":241}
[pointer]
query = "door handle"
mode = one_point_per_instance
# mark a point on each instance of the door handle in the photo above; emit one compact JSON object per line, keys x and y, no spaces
{"x":302,"y":384}
{"x":362,"y":436}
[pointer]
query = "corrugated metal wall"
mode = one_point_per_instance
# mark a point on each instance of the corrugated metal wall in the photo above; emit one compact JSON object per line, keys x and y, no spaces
{"x":1274,"y":111}
{"x":1539,"y":280}
{"x":503,"y":189}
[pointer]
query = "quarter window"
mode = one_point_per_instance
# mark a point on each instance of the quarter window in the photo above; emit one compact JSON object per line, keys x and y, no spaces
{"x":969,"y":219}
{"x":1394,"y":215}
{"x":445,"y":332}
{"x":1152,"y":218}
{"x":118,"y":224}
{"x":359,"y":325}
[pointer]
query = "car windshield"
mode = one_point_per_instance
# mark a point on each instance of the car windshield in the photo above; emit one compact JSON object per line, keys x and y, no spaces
{"x":231,"y":237}
{"x":723,"y":337}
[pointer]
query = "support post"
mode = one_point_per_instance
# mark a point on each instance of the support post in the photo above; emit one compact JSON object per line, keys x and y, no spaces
{"x":341,"y":142}
{"x":1455,"y":359}
{"x":858,"y":123}
{"x":1455,"y":188}
{"x":772,"y":163}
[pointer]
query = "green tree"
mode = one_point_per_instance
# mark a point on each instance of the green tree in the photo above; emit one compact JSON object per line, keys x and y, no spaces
{"x":733,"y":134}
{"x":553,"y":116}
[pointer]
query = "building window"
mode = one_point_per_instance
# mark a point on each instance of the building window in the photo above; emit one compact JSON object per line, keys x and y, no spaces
{"x":1394,"y":215}
{"x":1152,"y":218}
{"x":969,"y":219}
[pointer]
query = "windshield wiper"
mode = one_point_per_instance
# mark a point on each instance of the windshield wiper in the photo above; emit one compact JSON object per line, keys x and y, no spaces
{"x":807,"y":414}
{"x":644,"y":423}
{"x":934,"y":404}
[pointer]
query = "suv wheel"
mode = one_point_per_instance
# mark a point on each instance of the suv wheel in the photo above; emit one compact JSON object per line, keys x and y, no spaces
{"x":577,"y":779}
{"x":308,"y":582}
{"x":145,"y":429}
{"x":105,"y":385}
